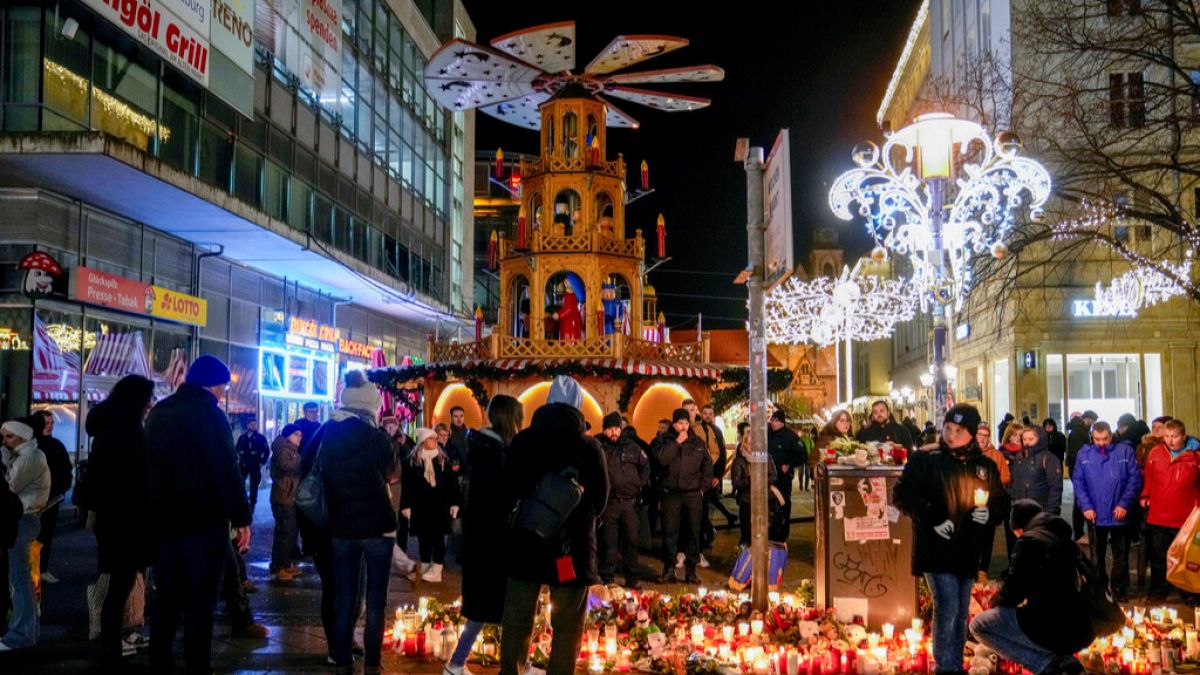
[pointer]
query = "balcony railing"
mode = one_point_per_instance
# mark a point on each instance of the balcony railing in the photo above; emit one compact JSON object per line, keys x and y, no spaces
{"x":614,"y":168}
{"x":544,"y":241}
{"x":617,"y":346}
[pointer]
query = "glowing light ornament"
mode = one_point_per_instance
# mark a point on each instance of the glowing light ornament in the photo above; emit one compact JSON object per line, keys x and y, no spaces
{"x":826,"y":311}
{"x":1141,"y":287}
{"x":903,"y":203}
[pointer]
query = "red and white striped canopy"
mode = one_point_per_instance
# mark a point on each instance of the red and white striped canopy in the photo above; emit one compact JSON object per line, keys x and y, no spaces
{"x":630,"y":366}
{"x":55,"y":372}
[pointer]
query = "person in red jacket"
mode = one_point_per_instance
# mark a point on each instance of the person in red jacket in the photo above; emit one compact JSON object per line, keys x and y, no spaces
{"x":1170,"y":492}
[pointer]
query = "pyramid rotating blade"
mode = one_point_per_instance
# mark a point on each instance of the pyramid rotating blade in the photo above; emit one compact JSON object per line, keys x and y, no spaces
{"x":626,"y":50}
{"x":617,"y":118}
{"x":522,"y":112}
{"x":685,"y":74}
{"x":659,"y":100}
{"x":550,"y":47}
{"x":463,"y":75}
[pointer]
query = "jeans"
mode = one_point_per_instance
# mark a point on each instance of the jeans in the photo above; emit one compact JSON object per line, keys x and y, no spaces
{"x":1160,"y":539}
{"x":112,"y":612}
{"x":187,"y":575}
{"x":681,"y":527}
{"x":620,"y":535}
{"x":1119,"y":537}
{"x":286,"y":532}
{"x":255,"y":476}
{"x":462,"y":651}
{"x":23,"y":627}
{"x":998,"y":630}
{"x":566,"y":624}
{"x":348,"y":557}
{"x":322,"y":553}
{"x":951,"y":602}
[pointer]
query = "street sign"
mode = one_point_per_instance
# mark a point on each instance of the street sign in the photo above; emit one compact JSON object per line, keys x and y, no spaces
{"x":777,"y":209}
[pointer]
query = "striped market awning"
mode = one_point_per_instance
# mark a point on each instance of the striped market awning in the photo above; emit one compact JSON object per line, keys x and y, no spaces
{"x":630,"y":366}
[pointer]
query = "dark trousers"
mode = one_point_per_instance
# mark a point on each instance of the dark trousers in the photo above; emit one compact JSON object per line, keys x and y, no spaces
{"x":744,"y":523}
{"x":1159,"y":539}
{"x":986,"y":544}
{"x":350,"y":558}
{"x":681,"y":527}
{"x":233,"y":590}
{"x":49,"y":519}
{"x":1078,"y":523}
{"x":187,"y":577}
{"x":620,"y":539}
{"x":432,"y":547}
{"x":112,"y":612}
{"x":255,"y":476}
{"x":781,"y":526}
{"x":566,"y":624}
{"x":321,"y":549}
{"x":1119,"y":537}
{"x":286,"y":532}
{"x":654,"y":512}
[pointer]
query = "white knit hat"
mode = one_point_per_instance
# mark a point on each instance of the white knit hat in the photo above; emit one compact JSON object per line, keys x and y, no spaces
{"x":361,"y":395}
{"x":424,"y":433}
{"x":18,"y":429}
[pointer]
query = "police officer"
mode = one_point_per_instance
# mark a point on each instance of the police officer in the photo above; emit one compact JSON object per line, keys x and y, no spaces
{"x":785,"y":449}
{"x":687,"y":475}
{"x":628,"y":473}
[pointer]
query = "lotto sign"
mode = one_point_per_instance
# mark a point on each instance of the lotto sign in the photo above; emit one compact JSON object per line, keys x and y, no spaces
{"x":180,"y":307}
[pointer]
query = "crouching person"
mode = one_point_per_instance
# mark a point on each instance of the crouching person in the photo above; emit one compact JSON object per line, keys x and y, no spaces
{"x":1039,"y":618}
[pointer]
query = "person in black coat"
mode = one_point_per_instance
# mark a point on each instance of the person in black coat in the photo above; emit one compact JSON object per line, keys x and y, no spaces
{"x":485,"y":526}
{"x":356,"y":463}
{"x":1079,"y":434}
{"x":429,"y":500}
{"x":628,"y":475}
{"x":739,"y":480}
{"x":1058,"y":440}
{"x":787,"y":452}
{"x":687,"y":475}
{"x":554,"y":442}
{"x":253,"y":453}
{"x":196,"y":493}
{"x":938,"y":491}
{"x":59,"y":462}
{"x":118,"y":491}
{"x":1130,"y":430}
{"x":1038,"y":619}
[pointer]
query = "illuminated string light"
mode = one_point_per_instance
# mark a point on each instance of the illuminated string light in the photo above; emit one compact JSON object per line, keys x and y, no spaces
{"x":110,"y":104}
{"x":1142,"y":287}
{"x":826,"y":311}
{"x":914,"y":34}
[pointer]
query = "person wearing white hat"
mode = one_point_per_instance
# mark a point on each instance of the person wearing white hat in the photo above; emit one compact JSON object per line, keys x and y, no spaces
{"x":29,"y":479}
{"x":429,"y":500}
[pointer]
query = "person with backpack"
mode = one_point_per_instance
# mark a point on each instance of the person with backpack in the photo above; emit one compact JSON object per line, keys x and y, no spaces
{"x":552,"y":458}
{"x":1039,"y":619}
{"x":29,"y":479}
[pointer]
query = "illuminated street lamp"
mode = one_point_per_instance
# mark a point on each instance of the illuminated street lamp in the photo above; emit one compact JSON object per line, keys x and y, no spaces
{"x":920,"y":203}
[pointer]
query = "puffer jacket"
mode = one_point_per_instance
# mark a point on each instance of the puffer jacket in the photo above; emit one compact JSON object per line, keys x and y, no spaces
{"x":28,"y":474}
{"x":1037,"y":474}
{"x":1172,"y":486}
{"x":687,"y":467}
{"x":285,"y":471}
{"x":356,"y":464}
{"x":1106,"y":478}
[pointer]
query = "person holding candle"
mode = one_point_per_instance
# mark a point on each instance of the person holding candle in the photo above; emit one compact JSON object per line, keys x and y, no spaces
{"x":937,"y":490}
{"x":984,"y":438}
{"x":1039,"y":618}
{"x":484,"y":526}
{"x":1170,"y":491}
{"x":1107,"y":483}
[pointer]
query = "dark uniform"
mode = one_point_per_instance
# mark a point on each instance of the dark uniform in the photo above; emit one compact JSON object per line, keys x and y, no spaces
{"x":890,"y":431}
{"x":253,"y":452}
{"x":687,"y":473}
{"x":628,"y":474}
{"x":786,"y":450}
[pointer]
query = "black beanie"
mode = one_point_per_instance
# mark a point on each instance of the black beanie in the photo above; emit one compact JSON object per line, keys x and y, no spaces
{"x":964,"y":416}
{"x":680,"y":414}
{"x":611,"y":420}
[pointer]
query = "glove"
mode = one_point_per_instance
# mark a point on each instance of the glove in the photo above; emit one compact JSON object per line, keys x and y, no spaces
{"x":453,"y":511}
{"x":407,"y":513}
{"x":945,"y":529}
{"x":980,"y":515}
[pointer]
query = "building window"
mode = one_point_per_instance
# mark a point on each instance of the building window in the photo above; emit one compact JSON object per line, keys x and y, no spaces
{"x":1124,"y":7}
{"x":1126,"y":100}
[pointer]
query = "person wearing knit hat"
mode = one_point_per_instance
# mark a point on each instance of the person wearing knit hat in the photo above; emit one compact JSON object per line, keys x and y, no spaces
{"x":208,"y":371}
{"x":429,"y":500}
{"x":564,"y":389}
{"x":362,"y":397}
{"x":29,"y":479}
{"x":788,"y":453}
{"x":687,"y":474}
{"x":954,"y":496}
{"x":628,"y":475}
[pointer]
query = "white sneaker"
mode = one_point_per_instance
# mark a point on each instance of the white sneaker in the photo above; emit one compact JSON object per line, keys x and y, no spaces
{"x":679,"y":560}
{"x":48,"y":578}
{"x":530,"y":670}
{"x":434,"y":575}
{"x":452,"y":669}
{"x":703,"y":561}
{"x":401,"y":563}
{"x":137,"y":640}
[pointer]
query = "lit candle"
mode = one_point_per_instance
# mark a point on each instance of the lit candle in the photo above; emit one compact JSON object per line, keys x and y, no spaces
{"x":1172,"y":614}
{"x":1192,"y":643}
{"x":697,"y":634}
{"x":743,"y":628}
{"x":793,"y":662}
{"x":789,"y":600}
{"x":727,"y":633}
{"x":889,"y":631}
{"x":981,"y":497}
{"x":756,"y":626}
{"x":702,"y":591}
{"x":762,"y":666}
{"x":773,"y":596}
{"x":596,"y":665}
{"x":723,"y":651}
{"x":917,"y":624}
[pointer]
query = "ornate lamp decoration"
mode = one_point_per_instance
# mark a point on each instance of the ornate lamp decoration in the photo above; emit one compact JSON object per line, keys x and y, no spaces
{"x":903,"y":201}
{"x":826,"y":311}
{"x":1141,"y":287}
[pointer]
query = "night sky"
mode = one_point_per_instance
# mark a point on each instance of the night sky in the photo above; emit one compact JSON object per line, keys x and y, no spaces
{"x":818,"y":72}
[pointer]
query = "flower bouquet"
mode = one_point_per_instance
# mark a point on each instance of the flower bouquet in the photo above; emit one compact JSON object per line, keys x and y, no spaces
{"x":846,"y":451}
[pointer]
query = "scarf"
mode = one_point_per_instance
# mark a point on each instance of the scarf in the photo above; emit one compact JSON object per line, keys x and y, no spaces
{"x":427,"y":458}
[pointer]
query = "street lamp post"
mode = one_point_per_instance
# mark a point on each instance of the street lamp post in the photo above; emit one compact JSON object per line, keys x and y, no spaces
{"x":943,"y":215}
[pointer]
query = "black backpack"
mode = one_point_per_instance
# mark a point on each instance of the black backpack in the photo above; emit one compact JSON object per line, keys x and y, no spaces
{"x":544,"y":513}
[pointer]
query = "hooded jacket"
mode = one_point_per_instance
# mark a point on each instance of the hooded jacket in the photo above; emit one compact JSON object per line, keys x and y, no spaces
{"x":1172,"y":484}
{"x":1042,"y":575}
{"x":1037,"y":474}
{"x":1106,"y":478}
{"x":285,"y":471}
{"x":687,"y":467}
{"x":554,"y":442}
{"x":195,"y":478}
{"x":939,"y":485}
{"x":28,"y":474}
{"x":118,"y":479}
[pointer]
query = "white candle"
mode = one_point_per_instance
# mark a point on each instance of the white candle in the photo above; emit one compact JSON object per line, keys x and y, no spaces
{"x":889,"y":631}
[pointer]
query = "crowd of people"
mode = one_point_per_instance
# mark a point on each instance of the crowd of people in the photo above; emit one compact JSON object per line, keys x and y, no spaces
{"x":168,"y":488}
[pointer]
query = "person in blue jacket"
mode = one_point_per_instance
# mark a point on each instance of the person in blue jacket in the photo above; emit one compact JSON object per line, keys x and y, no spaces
{"x":1107,"y":482}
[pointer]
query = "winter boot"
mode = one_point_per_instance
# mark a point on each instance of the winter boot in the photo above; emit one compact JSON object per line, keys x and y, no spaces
{"x":433,"y":575}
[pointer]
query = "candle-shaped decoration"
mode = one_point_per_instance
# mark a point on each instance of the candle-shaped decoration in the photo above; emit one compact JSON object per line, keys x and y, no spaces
{"x":493,"y":250}
{"x":521,"y":228}
{"x":981,"y":497}
{"x":727,"y":633}
{"x":594,"y":149}
{"x":698,"y":634}
{"x":743,"y":628}
{"x":645,"y":176}
{"x":662,"y":236}
{"x":889,"y":631}
{"x":499,"y":162}
{"x":478,"y":323}
{"x":756,"y":626}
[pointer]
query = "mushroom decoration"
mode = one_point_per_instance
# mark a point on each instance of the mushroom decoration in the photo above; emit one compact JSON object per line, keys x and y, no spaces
{"x":40,"y":273}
